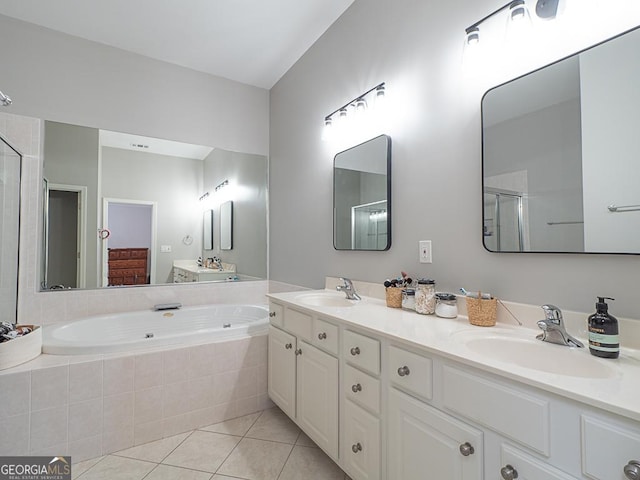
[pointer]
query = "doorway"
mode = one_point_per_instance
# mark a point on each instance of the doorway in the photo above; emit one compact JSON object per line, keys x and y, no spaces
{"x":128,"y":224}
{"x":65,"y":234}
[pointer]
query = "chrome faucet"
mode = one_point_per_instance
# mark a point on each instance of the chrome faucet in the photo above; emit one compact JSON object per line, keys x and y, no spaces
{"x":553,"y":329}
{"x":348,"y":289}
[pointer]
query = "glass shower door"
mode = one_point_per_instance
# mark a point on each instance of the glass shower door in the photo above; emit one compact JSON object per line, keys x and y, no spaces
{"x":9,"y":230}
{"x":503,"y":222}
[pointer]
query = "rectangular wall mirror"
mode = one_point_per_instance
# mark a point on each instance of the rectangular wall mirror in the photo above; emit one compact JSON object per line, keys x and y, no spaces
{"x":226,"y":226}
{"x":560,"y":155}
{"x":207,"y":229}
{"x":362,"y":196}
{"x":145,"y":197}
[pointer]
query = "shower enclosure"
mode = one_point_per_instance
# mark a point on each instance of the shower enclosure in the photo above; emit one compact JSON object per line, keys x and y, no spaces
{"x":504,"y":223}
{"x":369,"y":226}
{"x":10,"y":166}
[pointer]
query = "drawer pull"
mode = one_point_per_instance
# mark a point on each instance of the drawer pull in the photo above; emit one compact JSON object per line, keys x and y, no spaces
{"x":288,"y":346}
{"x":404,"y":371}
{"x":322,"y":336}
{"x":298,"y":351}
{"x":508,"y":472}
{"x":356,"y":448}
{"x":466,"y":449}
{"x":356,"y":388}
{"x":355,"y":351}
{"x":272,"y":314}
{"x":632,"y":470}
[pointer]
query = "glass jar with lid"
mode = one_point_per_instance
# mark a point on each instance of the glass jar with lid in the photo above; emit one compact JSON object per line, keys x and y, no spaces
{"x":446,"y":305}
{"x":426,"y":296}
{"x":409,"y":299}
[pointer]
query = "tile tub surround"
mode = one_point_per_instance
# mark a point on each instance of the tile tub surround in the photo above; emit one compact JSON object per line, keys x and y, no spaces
{"x":261,"y":446}
{"x":87,"y":406}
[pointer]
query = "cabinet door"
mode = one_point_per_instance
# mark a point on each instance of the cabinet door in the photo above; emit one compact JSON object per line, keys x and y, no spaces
{"x":282,"y":370}
{"x":317,"y":396}
{"x":361,"y":447}
{"x":426,"y":443}
{"x":517,"y":464}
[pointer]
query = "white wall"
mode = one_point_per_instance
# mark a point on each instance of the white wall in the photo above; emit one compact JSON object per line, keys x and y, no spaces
{"x":416,"y":47}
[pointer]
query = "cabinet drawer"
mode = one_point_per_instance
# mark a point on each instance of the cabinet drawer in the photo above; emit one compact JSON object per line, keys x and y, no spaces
{"x":361,"y":388}
{"x":298,"y":323}
{"x":607,"y":448}
{"x":517,"y":415}
{"x":361,"y":351}
{"x":325,"y":336}
{"x":411,"y":372}
{"x":361,"y":446}
{"x":527,"y":467}
{"x":276,"y":314}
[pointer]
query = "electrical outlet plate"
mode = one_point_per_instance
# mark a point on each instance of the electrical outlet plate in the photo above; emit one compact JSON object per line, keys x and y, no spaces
{"x":425,"y":251}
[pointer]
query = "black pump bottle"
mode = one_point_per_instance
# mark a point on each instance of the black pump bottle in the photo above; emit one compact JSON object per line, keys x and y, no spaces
{"x":604,"y":340}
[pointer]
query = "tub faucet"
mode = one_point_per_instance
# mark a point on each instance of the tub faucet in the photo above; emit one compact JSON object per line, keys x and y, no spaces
{"x":348,"y":289}
{"x":553,"y":329}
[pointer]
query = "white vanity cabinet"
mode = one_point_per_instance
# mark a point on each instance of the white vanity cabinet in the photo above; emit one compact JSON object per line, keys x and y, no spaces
{"x":302,"y":379}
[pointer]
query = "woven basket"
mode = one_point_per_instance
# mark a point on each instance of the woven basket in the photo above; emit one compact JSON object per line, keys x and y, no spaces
{"x":394,"y":297}
{"x":482,"y":312}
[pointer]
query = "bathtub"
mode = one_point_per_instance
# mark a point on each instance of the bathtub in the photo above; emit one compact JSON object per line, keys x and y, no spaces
{"x":122,"y":332}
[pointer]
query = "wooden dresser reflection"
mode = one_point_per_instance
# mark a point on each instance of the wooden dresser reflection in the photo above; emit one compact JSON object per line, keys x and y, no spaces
{"x":128,"y":266}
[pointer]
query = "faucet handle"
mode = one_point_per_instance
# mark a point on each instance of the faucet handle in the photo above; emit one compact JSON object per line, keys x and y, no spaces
{"x":552,"y":313}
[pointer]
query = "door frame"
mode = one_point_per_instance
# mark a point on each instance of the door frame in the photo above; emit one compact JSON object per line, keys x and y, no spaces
{"x":81,"y":229}
{"x":105,"y":225}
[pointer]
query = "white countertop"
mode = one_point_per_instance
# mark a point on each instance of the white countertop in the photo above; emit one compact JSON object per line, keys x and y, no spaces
{"x":617,"y":393}
{"x":192,"y":266}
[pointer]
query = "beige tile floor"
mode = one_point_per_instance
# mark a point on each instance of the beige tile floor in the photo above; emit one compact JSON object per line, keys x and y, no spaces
{"x":261,"y":446}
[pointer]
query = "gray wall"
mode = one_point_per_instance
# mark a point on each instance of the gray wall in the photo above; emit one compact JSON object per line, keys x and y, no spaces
{"x":58,"y":77}
{"x":71,"y":158}
{"x":247,"y":175}
{"x":416,"y":46}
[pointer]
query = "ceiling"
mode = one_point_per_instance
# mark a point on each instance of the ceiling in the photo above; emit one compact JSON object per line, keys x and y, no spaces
{"x":249,"y":41}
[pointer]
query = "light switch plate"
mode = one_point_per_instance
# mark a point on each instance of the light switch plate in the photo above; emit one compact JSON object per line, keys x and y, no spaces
{"x":165,"y":248}
{"x":425,"y":251}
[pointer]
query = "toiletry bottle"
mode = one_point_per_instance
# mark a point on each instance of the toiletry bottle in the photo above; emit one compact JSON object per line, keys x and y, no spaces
{"x":603,"y":332}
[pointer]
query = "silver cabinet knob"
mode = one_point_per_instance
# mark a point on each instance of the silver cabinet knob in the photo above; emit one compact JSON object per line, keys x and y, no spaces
{"x":322,"y":336}
{"x":355,"y":351}
{"x":356,"y":388}
{"x":356,"y":448}
{"x":404,"y":371}
{"x":288,"y":346}
{"x":508,"y":472}
{"x":298,"y":351}
{"x":272,"y":314}
{"x":466,"y":449}
{"x":632,"y":470}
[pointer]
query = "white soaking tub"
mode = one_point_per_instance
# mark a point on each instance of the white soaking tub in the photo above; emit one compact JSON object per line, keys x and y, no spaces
{"x":121,"y":332}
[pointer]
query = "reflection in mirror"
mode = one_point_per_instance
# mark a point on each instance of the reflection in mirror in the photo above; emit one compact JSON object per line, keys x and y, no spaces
{"x":207,"y":226}
{"x":560,"y":147}
{"x":226,"y":225}
{"x":122,"y":209}
{"x":10,"y":162}
{"x":362,"y":196}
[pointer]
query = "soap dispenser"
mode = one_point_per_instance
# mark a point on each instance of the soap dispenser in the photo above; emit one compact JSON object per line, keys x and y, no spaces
{"x":603,"y":331}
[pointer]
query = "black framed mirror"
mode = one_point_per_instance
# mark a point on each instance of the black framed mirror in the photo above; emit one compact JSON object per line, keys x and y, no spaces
{"x":362,"y":196}
{"x":560,"y":148}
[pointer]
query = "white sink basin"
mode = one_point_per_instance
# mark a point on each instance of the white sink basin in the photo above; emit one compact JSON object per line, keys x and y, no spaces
{"x":542,"y":356}
{"x":325,"y":299}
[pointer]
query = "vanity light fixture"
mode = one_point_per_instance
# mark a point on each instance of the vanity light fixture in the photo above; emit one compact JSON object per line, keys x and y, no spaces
{"x":546,"y":9}
{"x":203,"y":196}
{"x":222,"y":185}
{"x":358,"y":105}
